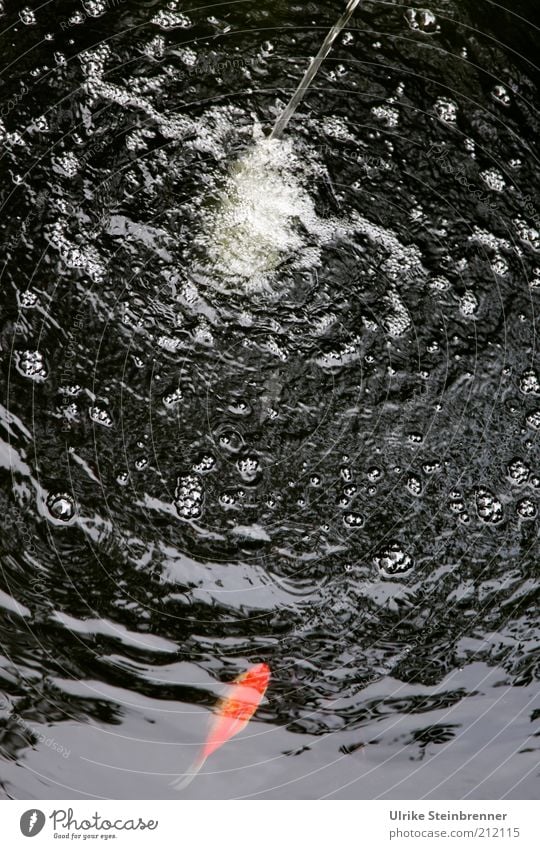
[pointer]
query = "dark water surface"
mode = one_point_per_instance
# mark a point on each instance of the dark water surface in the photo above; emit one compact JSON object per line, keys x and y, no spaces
{"x":269,"y":402}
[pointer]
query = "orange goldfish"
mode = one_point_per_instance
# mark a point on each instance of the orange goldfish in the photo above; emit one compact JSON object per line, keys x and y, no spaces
{"x":232,"y":715}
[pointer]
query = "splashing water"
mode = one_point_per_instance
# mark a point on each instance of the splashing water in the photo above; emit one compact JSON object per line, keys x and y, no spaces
{"x":312,"y":71}
{"x":264,"y":215}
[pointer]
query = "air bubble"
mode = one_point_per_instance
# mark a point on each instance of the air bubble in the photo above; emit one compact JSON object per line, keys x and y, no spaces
{"x":533,"y":420}
{"x":393,"y":560}
{"x":493,"y":180}
{"x":204,"y":464}
{"x":230,"y":440}
{"x":100,"y":415}
{"x":189,"y":497}
{"x":422,"y":20}
{"x":518,"y":472}
{"x":526,"y":509}
{"x":28,"y":299}
{"x":353,"y":520}
{"x":27,"y":16}
{"x":31,"y":364}
{"x":500,"y":94}
{"x":468,"y":304}
{"x":414,"y":485}
{"x":529,"y":383}
{"x":61,"y":506}
{"x":488,"y":506}
{"x":171,"y":20}
{"x":249,"y":468}
{"x":171,"y":399}
{"x":446,"y":110}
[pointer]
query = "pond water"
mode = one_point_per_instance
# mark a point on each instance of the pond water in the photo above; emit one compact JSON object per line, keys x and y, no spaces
{"x":269,"y":400}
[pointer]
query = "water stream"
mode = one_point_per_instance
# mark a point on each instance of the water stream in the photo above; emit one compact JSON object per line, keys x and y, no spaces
{"x":312,"y":70}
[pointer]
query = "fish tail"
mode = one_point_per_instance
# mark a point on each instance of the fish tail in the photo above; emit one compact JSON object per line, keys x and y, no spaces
{"x":184,"y":780}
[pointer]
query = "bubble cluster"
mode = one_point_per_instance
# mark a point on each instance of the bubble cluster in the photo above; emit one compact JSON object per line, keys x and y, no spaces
{"x":189,"y":497}
{"x":518,"y":472}
{"x":32,"y":364}
{"x":393,"y":560}
{"x":488,"y":507}
{"x":249,"y":468}
{"x":422,"y":20}
{"x":100,"y":415}
{"x":529,"y":383}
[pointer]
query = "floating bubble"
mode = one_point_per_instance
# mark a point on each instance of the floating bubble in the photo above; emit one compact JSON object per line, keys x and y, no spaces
{"x":518,"y":472}
{"x":529,"y":383}
{"x":353,"y":520}
{"x":533,"y":420}
{"x":230,"y":440}
{"x":71,"y":389}
{"x":526,"y":508}
{"x":468,"y":304}
{"x":189,"y":497}
{"x":31,"y":364}
{"x":414,"y":485}
{"x":227,"y":499}
{"x":422,"y":20}
{"x":500,"y":94}
{"x":204,"y":464}
{"x":392,"y":560}
{"x":374,"y":474}
{"x":446,"y":110}
{"x":27,"y":16}
{"x":61,"y":506}
{"x":386,"y":114}
{"x":28,"y":299}
{"x":249,"y":468}
{"x":488,"y":506}
{"x":171,"y":20}
{"x":100,"y":415}
{"x":493,"y":179}
{"x":171,"y":399}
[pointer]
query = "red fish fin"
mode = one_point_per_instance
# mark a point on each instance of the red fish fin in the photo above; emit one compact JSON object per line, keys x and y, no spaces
{"x":186,"y":778}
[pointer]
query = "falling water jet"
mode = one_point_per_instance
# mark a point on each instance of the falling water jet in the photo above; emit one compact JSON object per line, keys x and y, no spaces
{"x":312,"y":70}
{"x":251,"y":230}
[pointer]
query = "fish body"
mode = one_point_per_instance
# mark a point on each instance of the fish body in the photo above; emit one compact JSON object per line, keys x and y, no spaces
{"x":232,"y":714}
